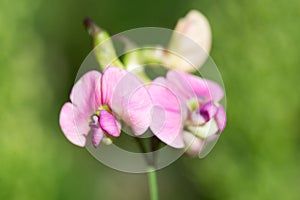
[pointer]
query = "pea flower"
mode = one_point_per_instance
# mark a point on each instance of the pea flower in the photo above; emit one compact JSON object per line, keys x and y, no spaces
{"x":99,"y":102}
{"x":191,"y":110}
{"x":191,"y":41}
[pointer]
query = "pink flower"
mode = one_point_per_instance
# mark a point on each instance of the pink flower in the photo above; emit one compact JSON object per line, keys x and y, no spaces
{"x":100,"y":102}
{"x":189,"y":108}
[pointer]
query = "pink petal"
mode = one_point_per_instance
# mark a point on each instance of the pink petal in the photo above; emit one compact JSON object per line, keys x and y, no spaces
{"x":108,"y":123}
{"x":86,"y":94}
{"x":109,"y":81}
{"x":180,"y":85}
{"x":69,"y":125}
{"x":208,"y":110}
{"x":97,"y":135}
{"x":138,"y":115}
{"x":137,"y":107}
{"x":221,"y":118}
{"x":166,"y":114}
{"x":127,"y":97}
{"x":195,"y":86}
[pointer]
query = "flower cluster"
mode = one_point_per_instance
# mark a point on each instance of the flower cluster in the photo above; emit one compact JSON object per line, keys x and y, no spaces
{"x":192,"y":109}
{"x":181,"y":110}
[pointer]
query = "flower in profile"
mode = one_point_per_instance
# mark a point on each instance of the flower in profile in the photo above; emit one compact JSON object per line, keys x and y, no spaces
{"x":99,"y":102}
{"x":190,"y":44}
{"x":191,"y":110}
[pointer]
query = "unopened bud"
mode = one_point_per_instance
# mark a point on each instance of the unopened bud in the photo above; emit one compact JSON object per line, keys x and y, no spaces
{"x":104,"y":48}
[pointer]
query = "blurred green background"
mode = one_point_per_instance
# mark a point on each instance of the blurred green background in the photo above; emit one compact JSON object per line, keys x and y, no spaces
{"x":256,"y":47}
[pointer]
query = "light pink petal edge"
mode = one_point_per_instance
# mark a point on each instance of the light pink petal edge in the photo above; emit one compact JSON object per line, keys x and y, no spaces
{"x":69,"y":126}
{"x":221,"y":118}
{"x":166,"y":114}
{"x":194,"y":86}
{"x":85,"y":94}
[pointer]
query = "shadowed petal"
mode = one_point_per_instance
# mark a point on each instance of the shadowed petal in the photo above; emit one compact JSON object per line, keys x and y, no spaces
{"x":108,"y":123}
{"x":166,"y":114}
{"x":193,"y":144}
{"x":74,"y":130}
{"x":208,"y":129}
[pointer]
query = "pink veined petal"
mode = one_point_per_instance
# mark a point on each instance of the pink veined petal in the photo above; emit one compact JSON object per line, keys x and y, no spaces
{"x":203,"y":87}
{"x":138,"y":110}
{"x":128,"y":98}
{"x":73,"y":131}
{"x":108,"y":123}
{"x":97,"y":135}
{"x":166,"y":114}
{"x":86,"y":94}
{"x":221,"y":118}
{"x":109,"y":81}
{"x":200,"y":87}
{"x":180,"y":85}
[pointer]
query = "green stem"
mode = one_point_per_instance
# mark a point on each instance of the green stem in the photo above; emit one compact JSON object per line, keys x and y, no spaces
{"x":153,"y":184}
{"x":143,"y":149}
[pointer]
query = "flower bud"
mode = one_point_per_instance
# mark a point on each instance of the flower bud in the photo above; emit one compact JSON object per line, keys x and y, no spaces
{"x":104,"y":48}
{"x":190,"y":45}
